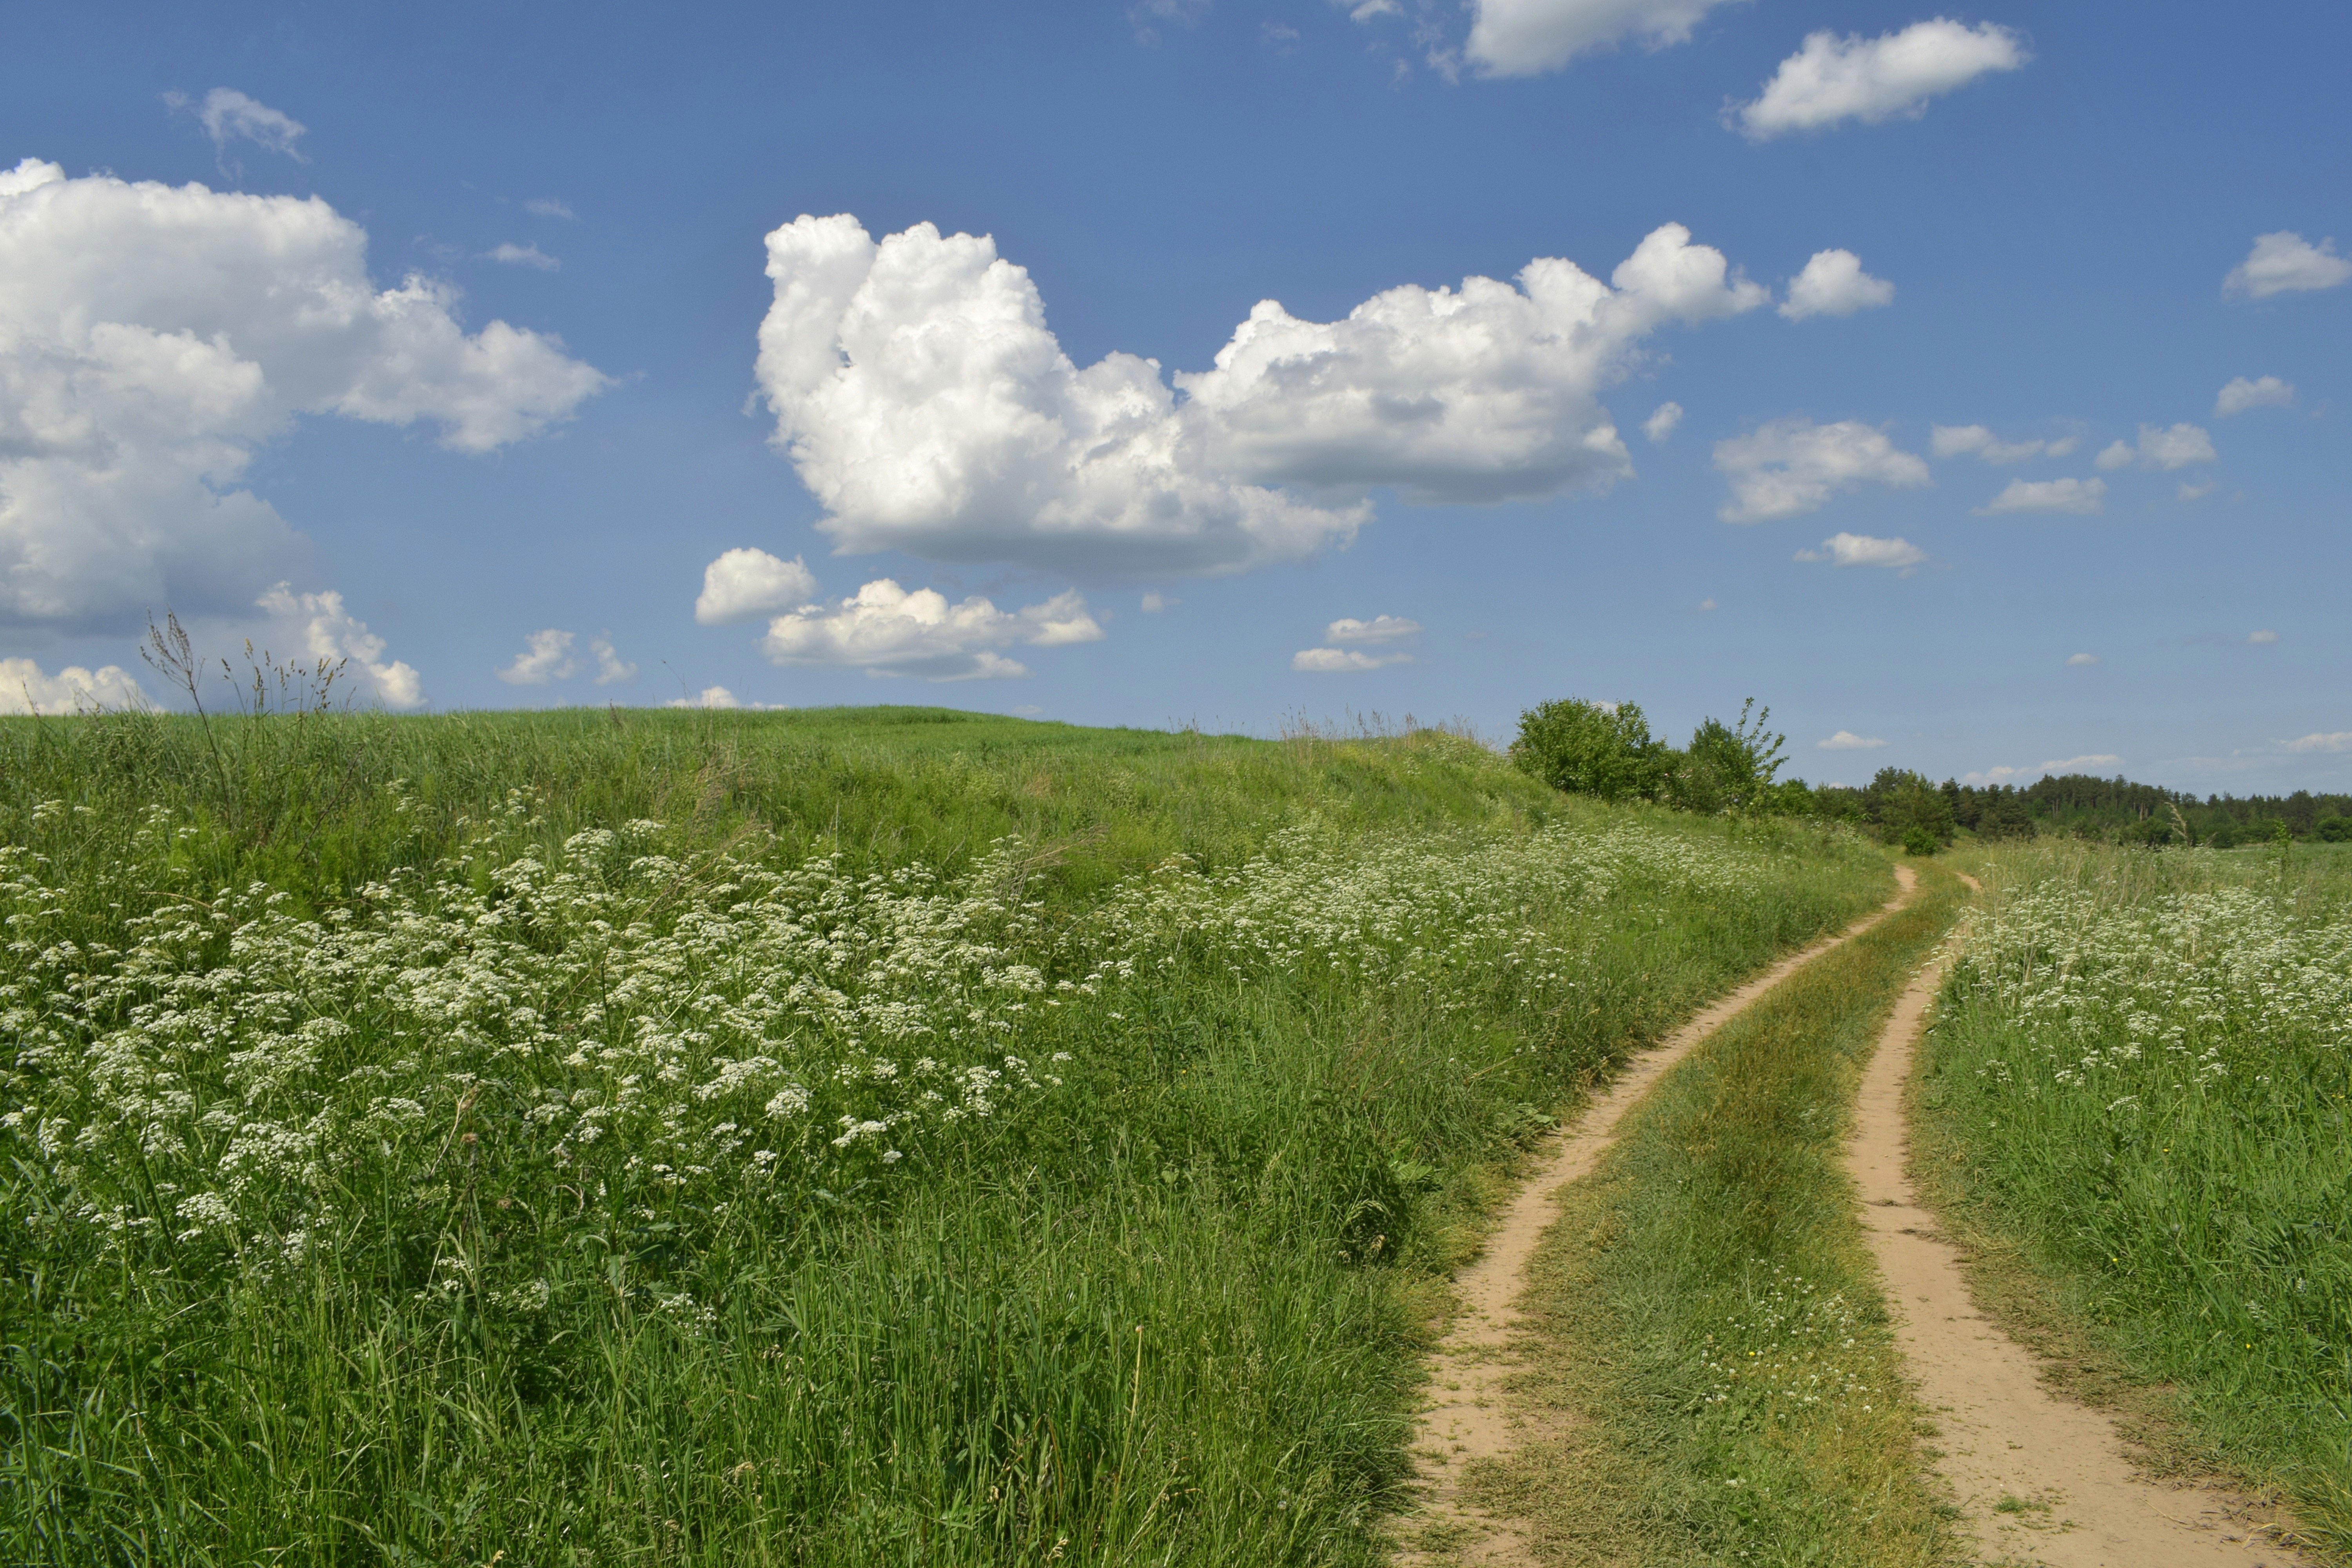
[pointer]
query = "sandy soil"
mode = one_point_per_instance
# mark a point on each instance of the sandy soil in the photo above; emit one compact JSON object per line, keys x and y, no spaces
{"x":1469,"y":1416}
{"x":2041,"y":1480}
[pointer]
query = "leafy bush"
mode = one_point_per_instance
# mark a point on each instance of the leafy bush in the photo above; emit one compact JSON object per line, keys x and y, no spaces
{"x":2333,"y":829}
{"x":1591,"y":748}
{"x":1917,"y":840}
{"x":1730,"y":768}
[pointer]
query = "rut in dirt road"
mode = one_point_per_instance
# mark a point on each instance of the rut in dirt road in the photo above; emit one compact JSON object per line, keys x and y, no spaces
{"x":1470,"y":1416}
{"x":2041,"y":1480}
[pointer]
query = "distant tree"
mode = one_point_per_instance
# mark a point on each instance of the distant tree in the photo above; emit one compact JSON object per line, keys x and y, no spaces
{"x":2333,"y":829}
{"x":1731,"y":767}
{"x":1586,"y":748}
{"x":1900,"y":802}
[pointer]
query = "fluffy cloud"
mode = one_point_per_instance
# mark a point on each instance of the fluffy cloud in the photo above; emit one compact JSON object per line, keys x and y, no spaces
{"x":720,"y":697}
{"x":2241,"y":394}
{"x":612,"y":670}
{"x":2286,"y":263}
{"x":2333,"y":741}
{"x":546,"y":657}
{"x":530,"y":256}
{"x":2261,"y":639}
{"x":548,"y":207}
{"x":2081,"y":661}
{"x":887,"y":630}
{"x":1793,"y":466}
{"x":926,"y":406}
{"x":1861,"y":550}
{"x":1847,"y":741}
{"x":2062,"y":765}
{"x":1527,"y":37}
{"x":745,"y":584}
{"x":73,"y":690}
{"x":1833,"y":284}
{"x":2176,"y":448}
{"x":1379,"y":629}
{"x":1661,"y":424}
{"x":1154,"y":603}
{"x":1978,"y":440}
{"x":1832,"y":78}
{"x":2080,"y":497}
{"x":1342,"y":660}
{"x":327,"y":632}
{"x":152,"y":337}
{"x":228,"y":115}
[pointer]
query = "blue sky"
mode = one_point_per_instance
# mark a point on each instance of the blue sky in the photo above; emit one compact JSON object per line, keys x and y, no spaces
{"x":442,"y":455}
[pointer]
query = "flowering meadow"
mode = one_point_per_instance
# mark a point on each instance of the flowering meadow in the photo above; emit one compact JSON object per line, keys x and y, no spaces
{"x":505,"y":1160}
{"x":2142,"y":1058}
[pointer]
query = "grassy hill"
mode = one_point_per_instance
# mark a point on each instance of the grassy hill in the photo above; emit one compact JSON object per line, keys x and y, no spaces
{"x":854,"y":1136}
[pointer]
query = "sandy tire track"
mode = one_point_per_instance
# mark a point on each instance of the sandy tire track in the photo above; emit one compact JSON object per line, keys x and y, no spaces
{"x":2075,"y":1497}
{"x":1469,"y":1416}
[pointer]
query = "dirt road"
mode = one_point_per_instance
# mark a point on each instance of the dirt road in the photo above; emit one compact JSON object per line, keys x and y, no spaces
{"x":2041,"y":1480}
{"x":1470,"y":1416}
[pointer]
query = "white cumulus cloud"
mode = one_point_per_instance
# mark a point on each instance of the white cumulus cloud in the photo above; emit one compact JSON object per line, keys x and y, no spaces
{"x":718,"y":696}
{"x":2241,"y":394}
{"x":2261,"y":639}
{"x":2331,"y":740}
{"x":612,"y":670}
{"x":2286,"y":263}
{"x":1847,"y":741}
{"x":228,"y":115}
{"x":1661,"y":422}
{"x":2080,"y":497}
{"x":1833,"y":284}
{"x":1527,"y":37}
{"x":153,"y":337}
{"x":747,"y":583}
{"x":1379,"y":629}
{"x":546,"y":657}
{"x":887,"y":630}
{"x":1861,"y":550}
{"x":1342,"y":660}
{"x":1830,"y":78}
{"x":925,"y":402}
{"x":2081,"y":661}
{"x":326,"y":633}
{"x":530,"y":256}
{"x":1793,"y":466}
{"x":2176,"y":447}
{"x":24,"y":688}
{"x":548,"y":207}
{"x":1979,"y":441}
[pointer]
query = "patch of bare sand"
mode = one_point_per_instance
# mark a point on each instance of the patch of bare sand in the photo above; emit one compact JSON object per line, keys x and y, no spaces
{"x":2041,"y":1480}
{"x":1469,"y":1416}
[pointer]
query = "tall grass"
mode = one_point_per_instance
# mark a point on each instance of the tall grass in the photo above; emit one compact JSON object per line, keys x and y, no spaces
{"x":2137,"y":1075}
{"x":802,"y":1138}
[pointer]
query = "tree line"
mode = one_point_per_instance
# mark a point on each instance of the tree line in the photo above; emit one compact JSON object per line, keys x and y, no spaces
{"x":1606,"y":750}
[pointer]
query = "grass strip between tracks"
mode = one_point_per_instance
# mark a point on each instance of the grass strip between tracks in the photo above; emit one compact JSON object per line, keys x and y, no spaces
{"x":1712,"y":1377}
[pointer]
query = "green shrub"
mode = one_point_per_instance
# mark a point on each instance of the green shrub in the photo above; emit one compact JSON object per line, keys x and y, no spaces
{"x":1589,"y":748}
{"x":2333,"y":829}
{"x":1730,"y":768}
{"x":1917,"y":840}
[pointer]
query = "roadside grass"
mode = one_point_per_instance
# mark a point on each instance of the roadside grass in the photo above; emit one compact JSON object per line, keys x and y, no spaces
{"x":2131,"y":1109}
{"x":1711,"y":1363}
{"x":896,"y":1137}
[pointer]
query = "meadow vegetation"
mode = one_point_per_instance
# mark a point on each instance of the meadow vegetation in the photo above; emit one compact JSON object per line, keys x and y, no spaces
{"x":2137,"y":1086}
{"x":885,"y":1136}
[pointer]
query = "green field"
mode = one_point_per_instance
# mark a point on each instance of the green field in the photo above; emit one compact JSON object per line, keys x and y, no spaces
{"x":882,"y":1136}
{"x":2134,"y":1100}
